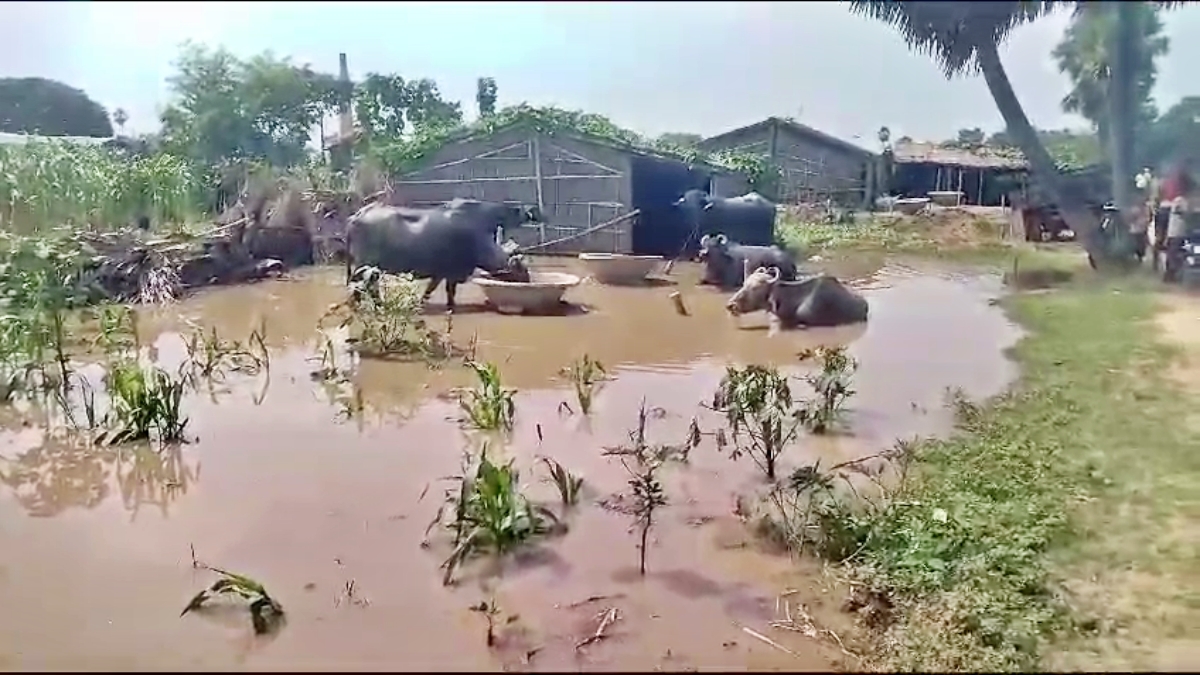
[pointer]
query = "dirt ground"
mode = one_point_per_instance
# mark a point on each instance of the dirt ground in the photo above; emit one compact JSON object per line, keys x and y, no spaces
{"x":1179,"y":323}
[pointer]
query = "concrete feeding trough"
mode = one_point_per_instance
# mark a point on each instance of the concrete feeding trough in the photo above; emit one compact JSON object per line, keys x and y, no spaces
{"x":946,"y":197}
{"x":542,"y":294}
{"x":619,"y":270}
{"x":911,"y":206}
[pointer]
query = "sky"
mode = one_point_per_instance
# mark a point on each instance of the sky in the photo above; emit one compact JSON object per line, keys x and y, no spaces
{"x":701,"y":67}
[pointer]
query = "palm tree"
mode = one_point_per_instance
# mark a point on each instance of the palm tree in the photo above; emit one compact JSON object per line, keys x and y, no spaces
{"x":120,"y":117}
{"x":964,"y":37}
{"x":1098,"y":37}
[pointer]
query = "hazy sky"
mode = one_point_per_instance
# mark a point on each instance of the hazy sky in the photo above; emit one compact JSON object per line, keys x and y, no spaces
{"x":653,"y":67}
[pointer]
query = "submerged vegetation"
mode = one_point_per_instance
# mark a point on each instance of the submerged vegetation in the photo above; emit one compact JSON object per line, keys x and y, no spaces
{"x":487,"y":512}
{"x":1014,"y":545}
{"x":489,"y":405}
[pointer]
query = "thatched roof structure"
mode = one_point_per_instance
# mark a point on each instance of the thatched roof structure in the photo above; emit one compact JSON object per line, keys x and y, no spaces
{"x":981,"y":157}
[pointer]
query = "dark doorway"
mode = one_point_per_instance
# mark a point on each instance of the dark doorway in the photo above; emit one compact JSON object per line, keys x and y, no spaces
{"x":661,"y":228}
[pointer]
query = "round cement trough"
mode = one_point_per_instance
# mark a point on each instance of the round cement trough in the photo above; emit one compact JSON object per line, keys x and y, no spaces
{"x":911,"y":206}
{"x":619,"y":270}
{"x":542,"y":294}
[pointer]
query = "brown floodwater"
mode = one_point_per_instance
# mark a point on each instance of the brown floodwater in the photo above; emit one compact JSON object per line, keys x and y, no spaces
{"x":96,"y":545}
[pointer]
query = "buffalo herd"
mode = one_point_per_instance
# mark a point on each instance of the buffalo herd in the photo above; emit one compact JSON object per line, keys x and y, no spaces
{"x":450,"y":242}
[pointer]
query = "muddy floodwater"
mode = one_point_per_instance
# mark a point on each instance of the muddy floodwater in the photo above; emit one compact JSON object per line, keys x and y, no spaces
{"x":95,"y":546}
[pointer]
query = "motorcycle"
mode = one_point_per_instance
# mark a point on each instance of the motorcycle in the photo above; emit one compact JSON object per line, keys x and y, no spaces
{"x":1183,"y":264}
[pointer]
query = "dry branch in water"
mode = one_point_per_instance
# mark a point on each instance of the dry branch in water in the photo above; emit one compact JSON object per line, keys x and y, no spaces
{"x":606,"y":619}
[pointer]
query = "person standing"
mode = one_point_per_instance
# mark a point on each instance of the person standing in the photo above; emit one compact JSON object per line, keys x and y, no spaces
{"x":1175,"y":196}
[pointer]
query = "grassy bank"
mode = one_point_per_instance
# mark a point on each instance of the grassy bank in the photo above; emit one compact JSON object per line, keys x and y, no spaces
{"x":1048,"y":532}
{"x":947,"y":234}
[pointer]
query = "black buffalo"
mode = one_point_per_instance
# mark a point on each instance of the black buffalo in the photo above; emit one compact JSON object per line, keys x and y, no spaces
{"x":727,"y":263}
{"x":448,"y":242}
{"x":819,"y":300}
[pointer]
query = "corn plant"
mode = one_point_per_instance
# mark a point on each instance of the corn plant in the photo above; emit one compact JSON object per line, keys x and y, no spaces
{"x":211,"y":357}
{"x":488,"y":512}
{"x":51,"y":183}
{"x":117,"y":329}
{"x":569,"y":485}
{"x":831,"y":384}
{"x":144,"y":400}
{"x":585,"y":375}
{"x":265,"y":613}
{"x":642,"y":462}
{"x":488,"y":405}
{"x":758,"y":407}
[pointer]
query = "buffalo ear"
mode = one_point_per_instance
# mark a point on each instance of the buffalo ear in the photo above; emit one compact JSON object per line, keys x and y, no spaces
{"x":708,"y":206}
{"x":533,"y":214}
{"x":679,"y":202}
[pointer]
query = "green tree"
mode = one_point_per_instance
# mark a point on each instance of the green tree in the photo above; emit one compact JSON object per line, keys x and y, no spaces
{"x":970,"y":138}
{"x":283,"y":103}
{"x":1084,"y":55}
{"x":120,"y":117}
{"x":35,"y":105}
{"x":679,"y":139}
{"x":387,"y":107}
{"x":427,"y":109}
{"x":485,"y":96}
{"x":1175,"y":135}
{"x":379,"y":105}
{"x":226,"y":109}
{"x":965,"y":37}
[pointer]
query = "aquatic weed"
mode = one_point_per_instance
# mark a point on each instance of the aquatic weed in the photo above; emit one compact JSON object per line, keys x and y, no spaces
{"x":488,"y":405}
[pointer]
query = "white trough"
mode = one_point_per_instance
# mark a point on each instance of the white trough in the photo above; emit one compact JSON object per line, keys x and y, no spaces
{"x":619,"y":270}
{"x":911,"y":206}
{"x":542,"y":294}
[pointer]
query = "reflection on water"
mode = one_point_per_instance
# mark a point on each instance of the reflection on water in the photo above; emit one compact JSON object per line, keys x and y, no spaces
{"x":52,"y":474}
{"x":309,"y":487}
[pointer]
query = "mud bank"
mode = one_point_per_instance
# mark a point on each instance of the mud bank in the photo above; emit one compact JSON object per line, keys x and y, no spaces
{"x":328,"y":513}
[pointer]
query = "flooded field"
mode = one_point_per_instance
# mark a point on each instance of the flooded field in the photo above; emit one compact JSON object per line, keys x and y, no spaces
{"x":328,"y":513}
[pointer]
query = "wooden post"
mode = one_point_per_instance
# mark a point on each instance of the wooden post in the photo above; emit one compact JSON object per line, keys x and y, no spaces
{"x":536,"y":148}
{"x":979,"y":200}
{"x":959,"y":196}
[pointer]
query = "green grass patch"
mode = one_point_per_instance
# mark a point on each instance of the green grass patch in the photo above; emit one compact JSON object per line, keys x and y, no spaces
{"x":1077,"y":474}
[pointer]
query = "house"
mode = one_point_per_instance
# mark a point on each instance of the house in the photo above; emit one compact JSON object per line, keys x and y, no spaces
{"x":814,"y":165}
{"x":982,"y":176}
{"x":578,"y":181}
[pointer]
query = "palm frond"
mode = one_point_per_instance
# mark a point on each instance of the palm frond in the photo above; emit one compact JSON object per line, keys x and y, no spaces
{"x":949,"y":31}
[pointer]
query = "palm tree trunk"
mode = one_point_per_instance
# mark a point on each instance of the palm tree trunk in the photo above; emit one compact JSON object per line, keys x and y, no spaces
{"x":1042,"y":169}
{"x":1121,"y":86}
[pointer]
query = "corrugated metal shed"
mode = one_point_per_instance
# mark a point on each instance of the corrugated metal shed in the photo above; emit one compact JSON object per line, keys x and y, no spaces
{"x":578,"y":180}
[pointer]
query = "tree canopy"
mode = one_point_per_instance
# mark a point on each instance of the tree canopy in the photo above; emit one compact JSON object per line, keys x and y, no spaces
{"x":1084,"y":57}
{"x":35,"y":105}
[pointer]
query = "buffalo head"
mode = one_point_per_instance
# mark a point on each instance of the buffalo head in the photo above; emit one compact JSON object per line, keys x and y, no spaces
{"x":755,"y":293}
{"x":516,"y":215}
{"x":714,"y":253}
{"x":695,"y":201}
